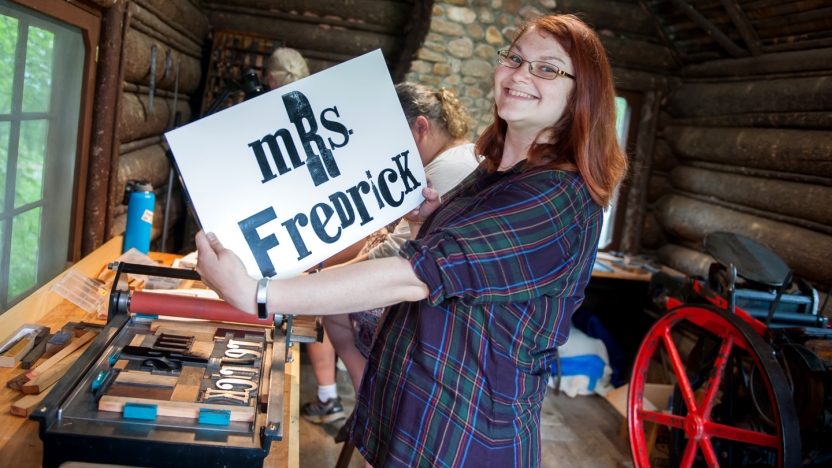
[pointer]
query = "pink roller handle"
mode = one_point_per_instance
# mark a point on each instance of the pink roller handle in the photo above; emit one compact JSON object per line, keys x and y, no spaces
{"x":191,"y":307}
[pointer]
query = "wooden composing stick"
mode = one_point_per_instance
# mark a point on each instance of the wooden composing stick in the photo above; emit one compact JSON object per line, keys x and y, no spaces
{"x":176,"y":409}
{"x":71,"y":348}
{"x":17,"y":382}
{"x":25,"y":405}
{"x":22,"y":346}
{"x":48,"y":377}
{"x":145,"y":379}
{"x":36,"y":353}
{"x":187,"y":388}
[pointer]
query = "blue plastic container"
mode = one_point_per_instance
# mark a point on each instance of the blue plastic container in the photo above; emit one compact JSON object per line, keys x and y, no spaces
{"x":140,"y":202}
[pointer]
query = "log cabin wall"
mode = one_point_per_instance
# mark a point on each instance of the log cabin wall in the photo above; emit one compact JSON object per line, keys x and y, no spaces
{"x":744,"y":141}
{"x":147,"y":47}
{"x":173,"y":31}
{"x":328,"y":32}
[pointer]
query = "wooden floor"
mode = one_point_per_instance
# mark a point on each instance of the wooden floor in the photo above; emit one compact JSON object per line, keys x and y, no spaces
{"x":579,"y":432}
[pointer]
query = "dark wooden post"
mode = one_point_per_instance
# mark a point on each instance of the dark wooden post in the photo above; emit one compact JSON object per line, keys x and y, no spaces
{"x":640,"y":171}
{"x":107,"y":89}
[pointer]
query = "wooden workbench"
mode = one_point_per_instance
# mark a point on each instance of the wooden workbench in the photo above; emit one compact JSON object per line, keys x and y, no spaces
{"x":20,"y":445}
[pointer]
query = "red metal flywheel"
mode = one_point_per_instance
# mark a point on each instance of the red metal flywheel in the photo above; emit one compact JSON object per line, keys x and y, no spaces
{"x":697,"y":423}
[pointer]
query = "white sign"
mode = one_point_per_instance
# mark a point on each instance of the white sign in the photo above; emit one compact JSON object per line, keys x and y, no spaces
{"x":292,"y":177}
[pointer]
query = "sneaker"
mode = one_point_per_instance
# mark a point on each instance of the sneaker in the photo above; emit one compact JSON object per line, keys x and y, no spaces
{"x":323,"y":412}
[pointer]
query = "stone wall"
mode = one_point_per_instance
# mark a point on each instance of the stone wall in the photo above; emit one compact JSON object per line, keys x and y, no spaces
{"x":460,"y":50}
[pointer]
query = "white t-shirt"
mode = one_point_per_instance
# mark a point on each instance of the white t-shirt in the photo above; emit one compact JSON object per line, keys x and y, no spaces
{"x":446,"y":171}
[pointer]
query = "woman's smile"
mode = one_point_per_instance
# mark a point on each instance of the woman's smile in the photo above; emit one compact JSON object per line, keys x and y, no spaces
{"x":519,"y":94}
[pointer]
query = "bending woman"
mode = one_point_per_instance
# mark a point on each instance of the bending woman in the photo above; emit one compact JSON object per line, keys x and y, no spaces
{"x":484,"y":293}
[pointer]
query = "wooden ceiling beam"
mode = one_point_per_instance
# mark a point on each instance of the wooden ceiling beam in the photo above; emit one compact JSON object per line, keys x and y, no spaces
{"x":747,"y":32}
{"x":730,"y":46}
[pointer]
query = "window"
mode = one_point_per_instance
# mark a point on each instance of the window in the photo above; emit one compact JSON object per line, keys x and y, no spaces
{"x":41,"y":72}
{"x":622,"y":129}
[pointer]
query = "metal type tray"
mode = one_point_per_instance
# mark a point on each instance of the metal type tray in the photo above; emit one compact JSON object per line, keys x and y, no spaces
{"x":72,"y":427}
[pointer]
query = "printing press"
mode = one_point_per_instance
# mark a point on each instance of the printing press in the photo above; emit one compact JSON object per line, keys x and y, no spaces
{"x":157,"y":391}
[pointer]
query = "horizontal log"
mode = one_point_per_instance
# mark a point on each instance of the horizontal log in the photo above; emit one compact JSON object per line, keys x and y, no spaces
{"x":179,"y":14}
{"x":688,"y":261}
{"x":810,"y":202}
{"x":627,"y":53}
{"x":135,"y":122}
{"x":148,"y":164}
{"x":825,"y":42}
{"x":294,"y":16}
{"x":822,"y":228}
{"x":145,"y":17}
{"x":783,"y":62}
{"x":663,"y":157}
{"x":176,"y":210}
{"x":139,"y":144}
{"x":658,"y":186}
{"x":765,"y":174}
{"x":640,"y":80}
{"x":137,"y":58}
{"x":796,"y":151}
{"x":311,"y":36}
{"x":385,"y":13}
{"x":806,"y":120}
{"x":781,"y":95}
{"x":808,"y":252}
{"x":652,"y":236}
{"x":615,"y":16}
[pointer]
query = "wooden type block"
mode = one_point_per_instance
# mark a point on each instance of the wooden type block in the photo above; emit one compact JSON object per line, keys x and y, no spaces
{"x":187,"y":389}
{"x":137,"y":340}
{"x":187,"y":328}
{"x":191,"y":375}
{"x":177,"y":409}
{"x":35,"y":353}
{"x":121,"y":364}
{"x":146,"y":380}
{"x":25,"y":405}
{"x":198,"y":335}
{"x":59,"y":341}
{"x":187,"y":393}
{"x":265,"y":380}
{"x":136,"y":391}
{"x":48,"y":377}
{"x":71,"y":348}
{"x":202,"y":349}
{"x":239,"y":333}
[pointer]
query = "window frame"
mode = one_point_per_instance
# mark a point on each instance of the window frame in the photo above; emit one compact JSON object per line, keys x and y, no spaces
{"x":634,"y":101}
{"x":88,"y":20}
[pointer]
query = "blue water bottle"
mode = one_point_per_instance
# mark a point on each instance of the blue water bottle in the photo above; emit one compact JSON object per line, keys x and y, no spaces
{"x":139,"y":198}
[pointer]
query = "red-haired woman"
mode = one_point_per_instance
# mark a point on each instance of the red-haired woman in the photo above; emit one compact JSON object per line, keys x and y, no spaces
{"x":485,"y":291}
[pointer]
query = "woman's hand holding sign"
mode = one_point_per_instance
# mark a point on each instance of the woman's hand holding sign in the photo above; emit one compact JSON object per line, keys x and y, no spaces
{"x":418,"y":215}
{"x":223,"y":271}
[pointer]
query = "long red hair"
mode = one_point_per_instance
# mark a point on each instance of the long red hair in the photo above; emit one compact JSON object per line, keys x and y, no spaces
{"x":585,"y":135}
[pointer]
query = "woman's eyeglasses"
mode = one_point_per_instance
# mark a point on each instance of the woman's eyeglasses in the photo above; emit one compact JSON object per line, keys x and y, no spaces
{"x":544,"y":70}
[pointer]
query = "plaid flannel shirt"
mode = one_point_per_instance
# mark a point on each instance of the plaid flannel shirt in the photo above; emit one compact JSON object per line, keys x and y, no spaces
{"x":458,"y":379}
